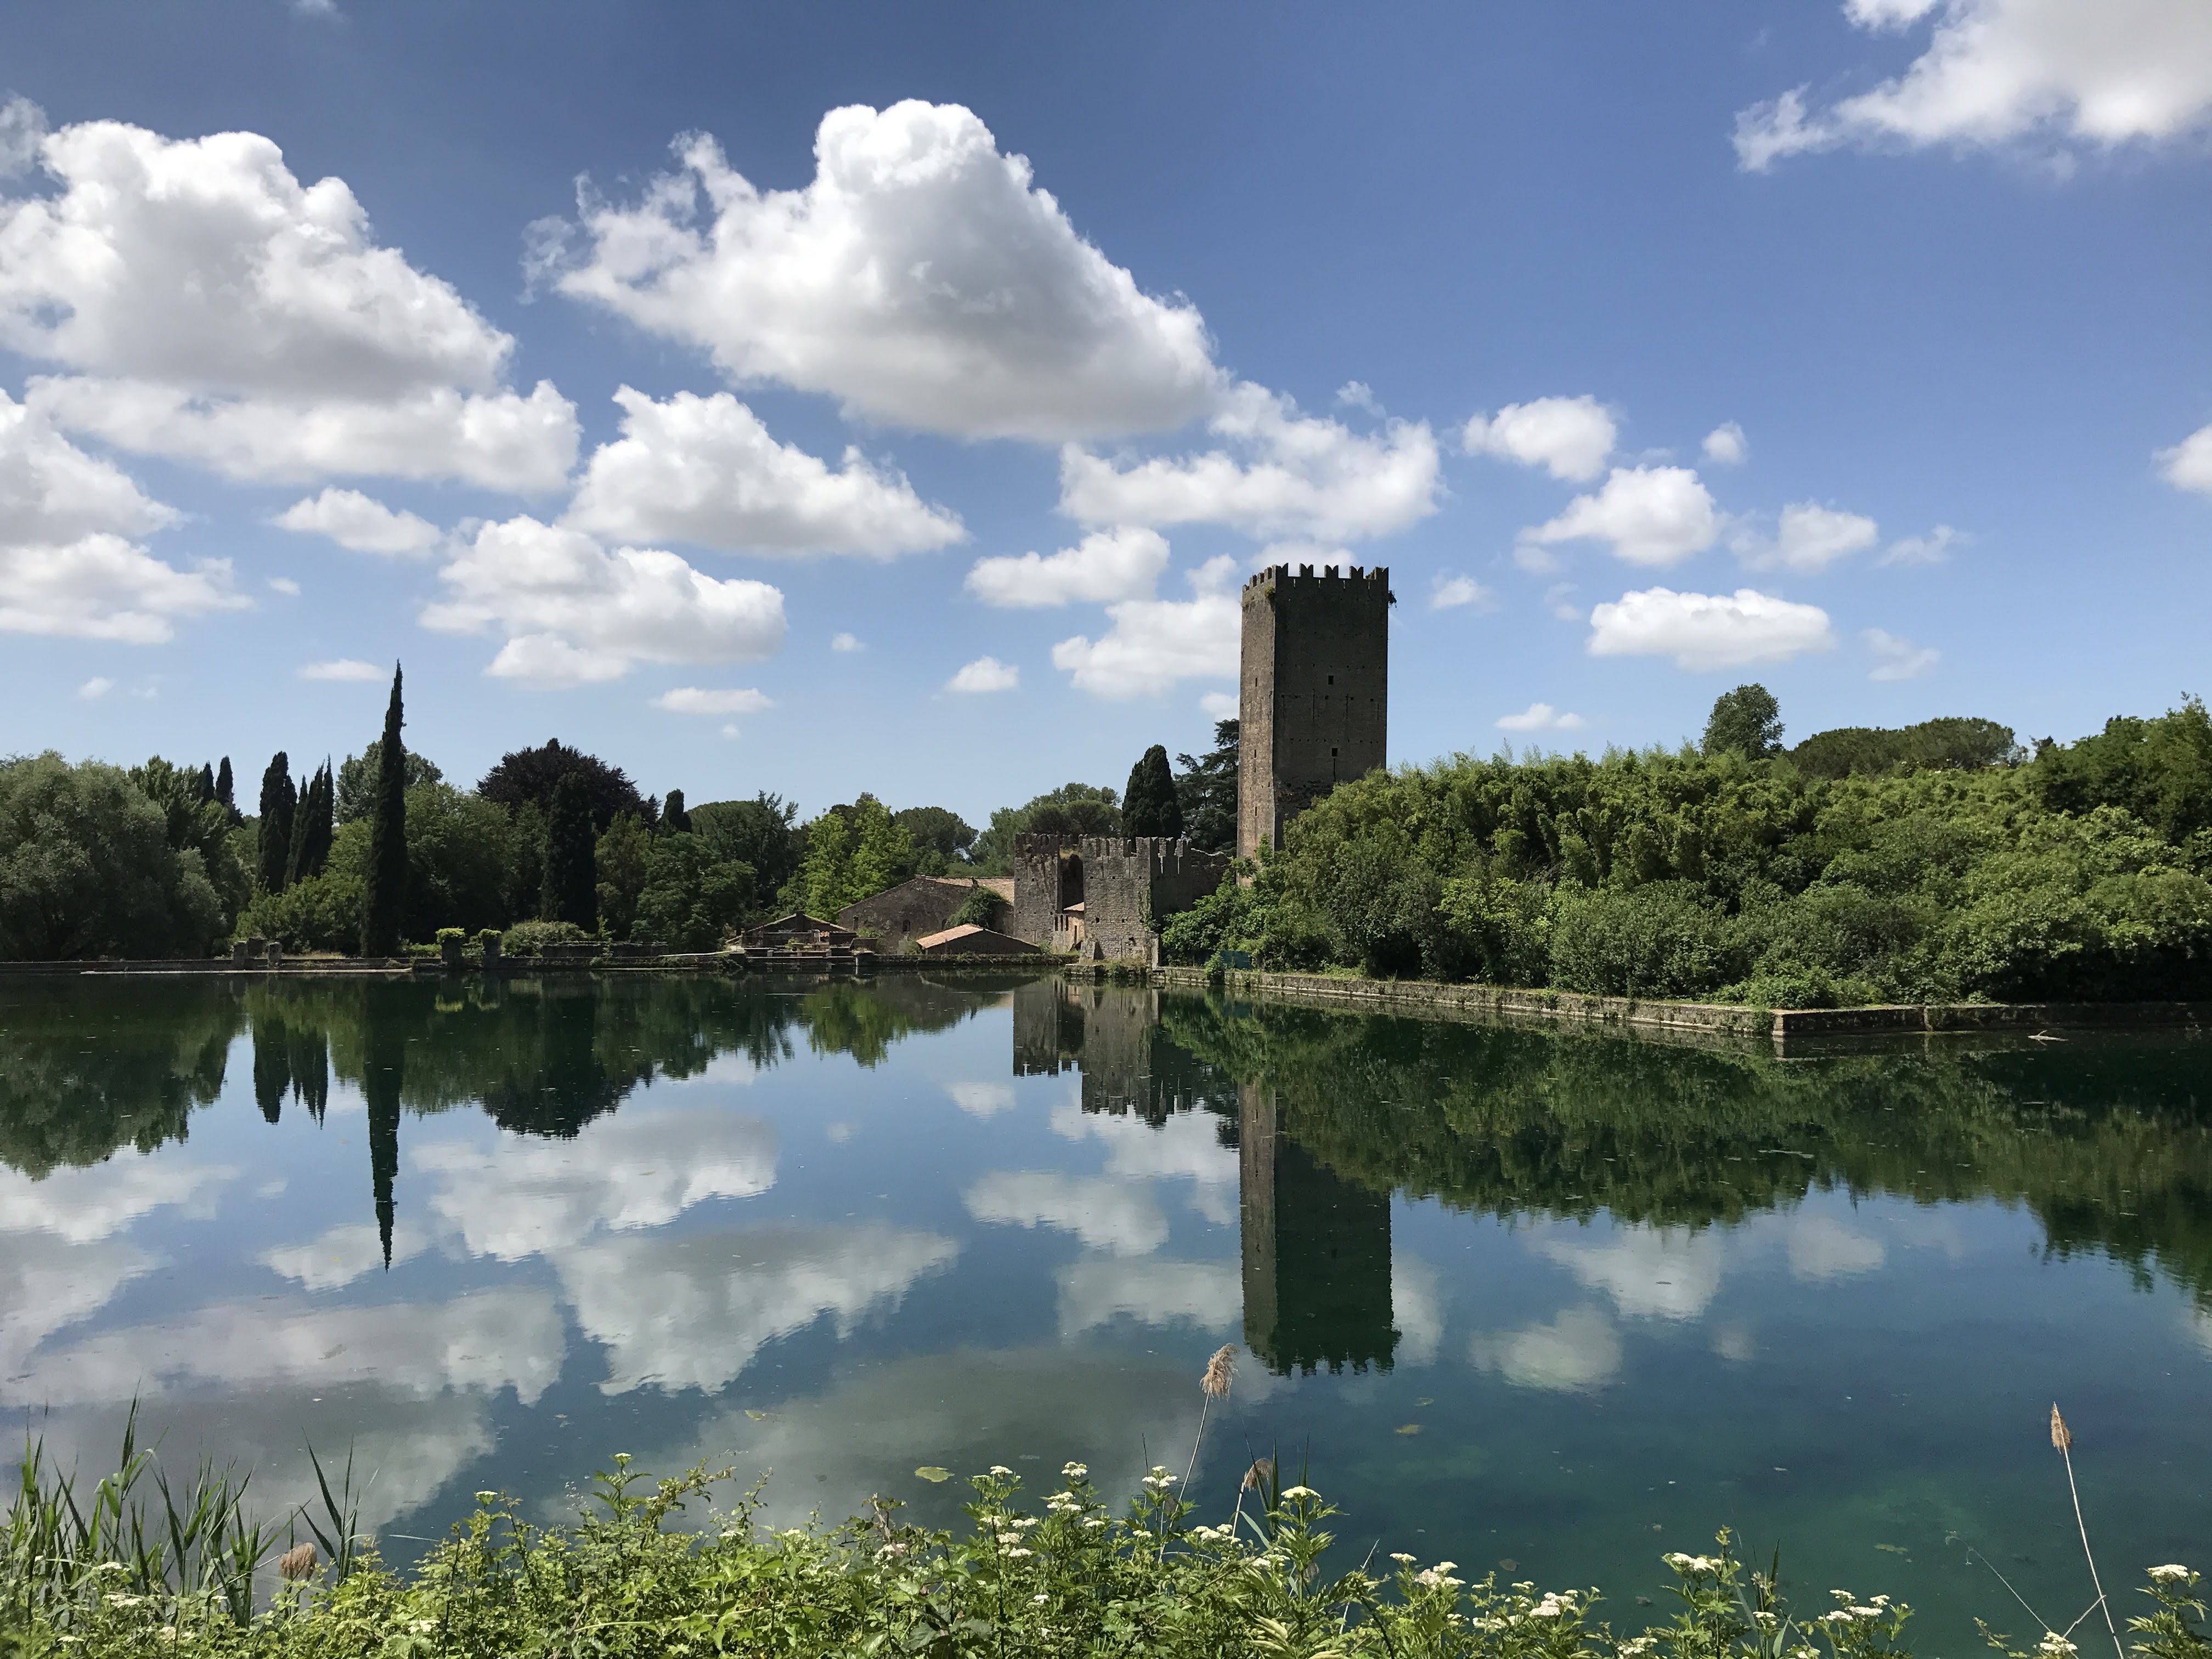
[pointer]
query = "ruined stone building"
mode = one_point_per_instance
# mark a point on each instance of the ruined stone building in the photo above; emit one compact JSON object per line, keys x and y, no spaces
{"x":1313,"y":693}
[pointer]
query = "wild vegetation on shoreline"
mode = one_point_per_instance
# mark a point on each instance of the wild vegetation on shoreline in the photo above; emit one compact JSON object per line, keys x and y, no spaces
{"x":1738,"y":872}
{"x":654,"y":1568}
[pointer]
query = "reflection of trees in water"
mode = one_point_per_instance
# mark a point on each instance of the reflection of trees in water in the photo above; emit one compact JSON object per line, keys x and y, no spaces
{"x":88,"y":1066}
{"x":2107,"y":1140}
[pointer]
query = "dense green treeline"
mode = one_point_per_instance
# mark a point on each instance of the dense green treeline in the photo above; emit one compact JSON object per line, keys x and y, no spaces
{"x":2080,"y":874}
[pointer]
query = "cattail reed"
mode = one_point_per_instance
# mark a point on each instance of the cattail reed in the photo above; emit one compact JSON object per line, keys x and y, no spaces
{"x":2061,"y":1440}
{"x":1213,"y":1385}
{"x":296,"y":1563}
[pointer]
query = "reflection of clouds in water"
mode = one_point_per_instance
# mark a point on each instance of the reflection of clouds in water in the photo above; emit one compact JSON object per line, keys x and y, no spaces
{"x":496,"y":1339}
{"x":727,"y":1066}
{"x":1821,"y":1247}
{"x":1105,"y":1214}
{"x":404,"y":1449}
{"x":1155,"y":1289}
{"x":81,"y":1205}
{"x":343,"y":1254}
{"x":1416,"y":1309}
{"x":691,"y":1313}
{"x":520,"y":1196}
{"x":1736,"y":1342}
{"x":47,"y":1283}
{"x":1185,"y":1146}
{"x":1649,"y":1272}
{"x":1578,"y":1350}
{"x":963,"y":1411}
{"x":2198,"y":1322}
{"x":981,"y":1099}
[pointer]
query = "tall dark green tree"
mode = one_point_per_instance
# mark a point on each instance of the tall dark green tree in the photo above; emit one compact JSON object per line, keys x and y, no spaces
{"x":384,"y":902}
{"x":279,"y":800}
{"x":311,"y":829}
{"x":1746,"y":721}
{"x":1206,"y":786}
{"x":674,"y":820}
{"x":207,"y":781}
{"x":226,"y":790}
{"x":1148,"y":805}
{"x":572,"y":891}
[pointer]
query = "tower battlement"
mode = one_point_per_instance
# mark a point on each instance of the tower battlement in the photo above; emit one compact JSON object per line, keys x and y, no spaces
{"x":1313,"y":690}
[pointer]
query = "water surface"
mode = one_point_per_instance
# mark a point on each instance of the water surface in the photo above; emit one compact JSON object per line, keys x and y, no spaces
{"x":1528,"y":1296}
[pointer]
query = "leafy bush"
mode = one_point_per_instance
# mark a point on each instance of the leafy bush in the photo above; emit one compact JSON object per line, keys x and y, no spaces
{"x":690,"y":896}
{"x":527,"y":939}
{"x":983,"y":908}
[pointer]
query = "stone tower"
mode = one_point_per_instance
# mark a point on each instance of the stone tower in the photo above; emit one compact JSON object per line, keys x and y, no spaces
{"x":1315,"y":692}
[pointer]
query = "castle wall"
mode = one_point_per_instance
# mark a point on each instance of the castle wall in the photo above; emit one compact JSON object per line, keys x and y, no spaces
{"x":1314,"y":691}
{"x":1127,"y":885}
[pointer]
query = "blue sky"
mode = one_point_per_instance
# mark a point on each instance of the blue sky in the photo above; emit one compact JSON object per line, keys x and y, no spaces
{"x":1860,"y":348}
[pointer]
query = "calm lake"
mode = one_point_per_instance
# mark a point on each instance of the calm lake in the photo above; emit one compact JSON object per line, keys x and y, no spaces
{"x":1536,"y":1298}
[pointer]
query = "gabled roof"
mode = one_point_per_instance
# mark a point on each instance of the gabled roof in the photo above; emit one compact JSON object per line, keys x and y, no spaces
{"x":797,"y":922}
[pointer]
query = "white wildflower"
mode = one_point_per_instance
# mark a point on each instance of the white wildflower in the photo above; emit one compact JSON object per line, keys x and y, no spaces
{"x":1074,"y":1471}
{"x":1298,"y":1492}
{"x":1037,"y":1601}
{"x":2055,"y":1646}
{"x":1400,"y":1557}
{"x":1001,"y":1469}
{"x":2169,"y":1574}
{"x":1019,"y":1555}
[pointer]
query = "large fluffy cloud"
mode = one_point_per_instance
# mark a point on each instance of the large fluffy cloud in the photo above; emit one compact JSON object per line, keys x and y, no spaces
{"x":575,"y":613}
{"x":1707,"y":630}
{"x":921,"y":278}
{"x":70,"y":563}
{"x":1155,"y":642}
{"x":1280,"y":473}
{"x":704,"y":471}
{"x":2103,"y":72}
{"x":1569,"y":437}
{"x":1109,"y":565}
{"x":217,"y":310}
{"x":1654,"y":515}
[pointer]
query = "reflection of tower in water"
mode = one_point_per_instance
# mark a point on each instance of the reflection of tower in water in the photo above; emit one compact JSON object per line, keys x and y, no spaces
{"x":1317,"y":1252}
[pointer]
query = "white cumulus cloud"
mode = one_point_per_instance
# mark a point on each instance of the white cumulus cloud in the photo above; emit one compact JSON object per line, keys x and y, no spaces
{"x":1725,"y":445}
{"x":1541,"y":717}
{"x":70,"y":564}
{"x":575,"y":613}
{"x":1933,"y":548}
{"x":1155,"y":642}
{"x":1654,"y":515}
{"x":1107,"y":565}
{"x":985,"y":674}
{"x":705,"y":470}
{"x":1568,"y":437}
{"x":921,"y":278}
{"x":342,"y":669}
{"x":1898,"y":658}
{"x":1280,"y":473}
{"x":1449,"y":593}
{"x":218,"y":311}
{"x":95,"y":687}
{"x":2188,"y":465}
{"x":1810,"y":537}
{"x":693,"y":700}
{"x":846,"y":643}
{"x":359,"y":522}
{"x":2095,"y":72}
{"x":1707,"y":630}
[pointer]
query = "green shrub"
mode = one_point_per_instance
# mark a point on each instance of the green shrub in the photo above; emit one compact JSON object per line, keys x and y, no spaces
{"x":527,"y":939}
{"x":983,"y":908}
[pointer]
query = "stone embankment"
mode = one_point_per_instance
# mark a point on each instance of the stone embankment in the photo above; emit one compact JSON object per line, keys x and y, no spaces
{"x":1715,"y":1020}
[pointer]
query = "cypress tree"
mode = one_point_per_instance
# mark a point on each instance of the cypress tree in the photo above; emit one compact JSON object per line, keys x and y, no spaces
{"x":279,"y":800}
{"x":572,"y":885}
{"x":673,"y":819}
{"x":1149,"y":805}
{"x":206,"y":782}
{"x":226,"y":790}
{"x":311,"y":829}
{"x":384,"y":903}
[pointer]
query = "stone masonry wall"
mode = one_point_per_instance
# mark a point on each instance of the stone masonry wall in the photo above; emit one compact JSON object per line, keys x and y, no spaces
{"x":1313,"y":691}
